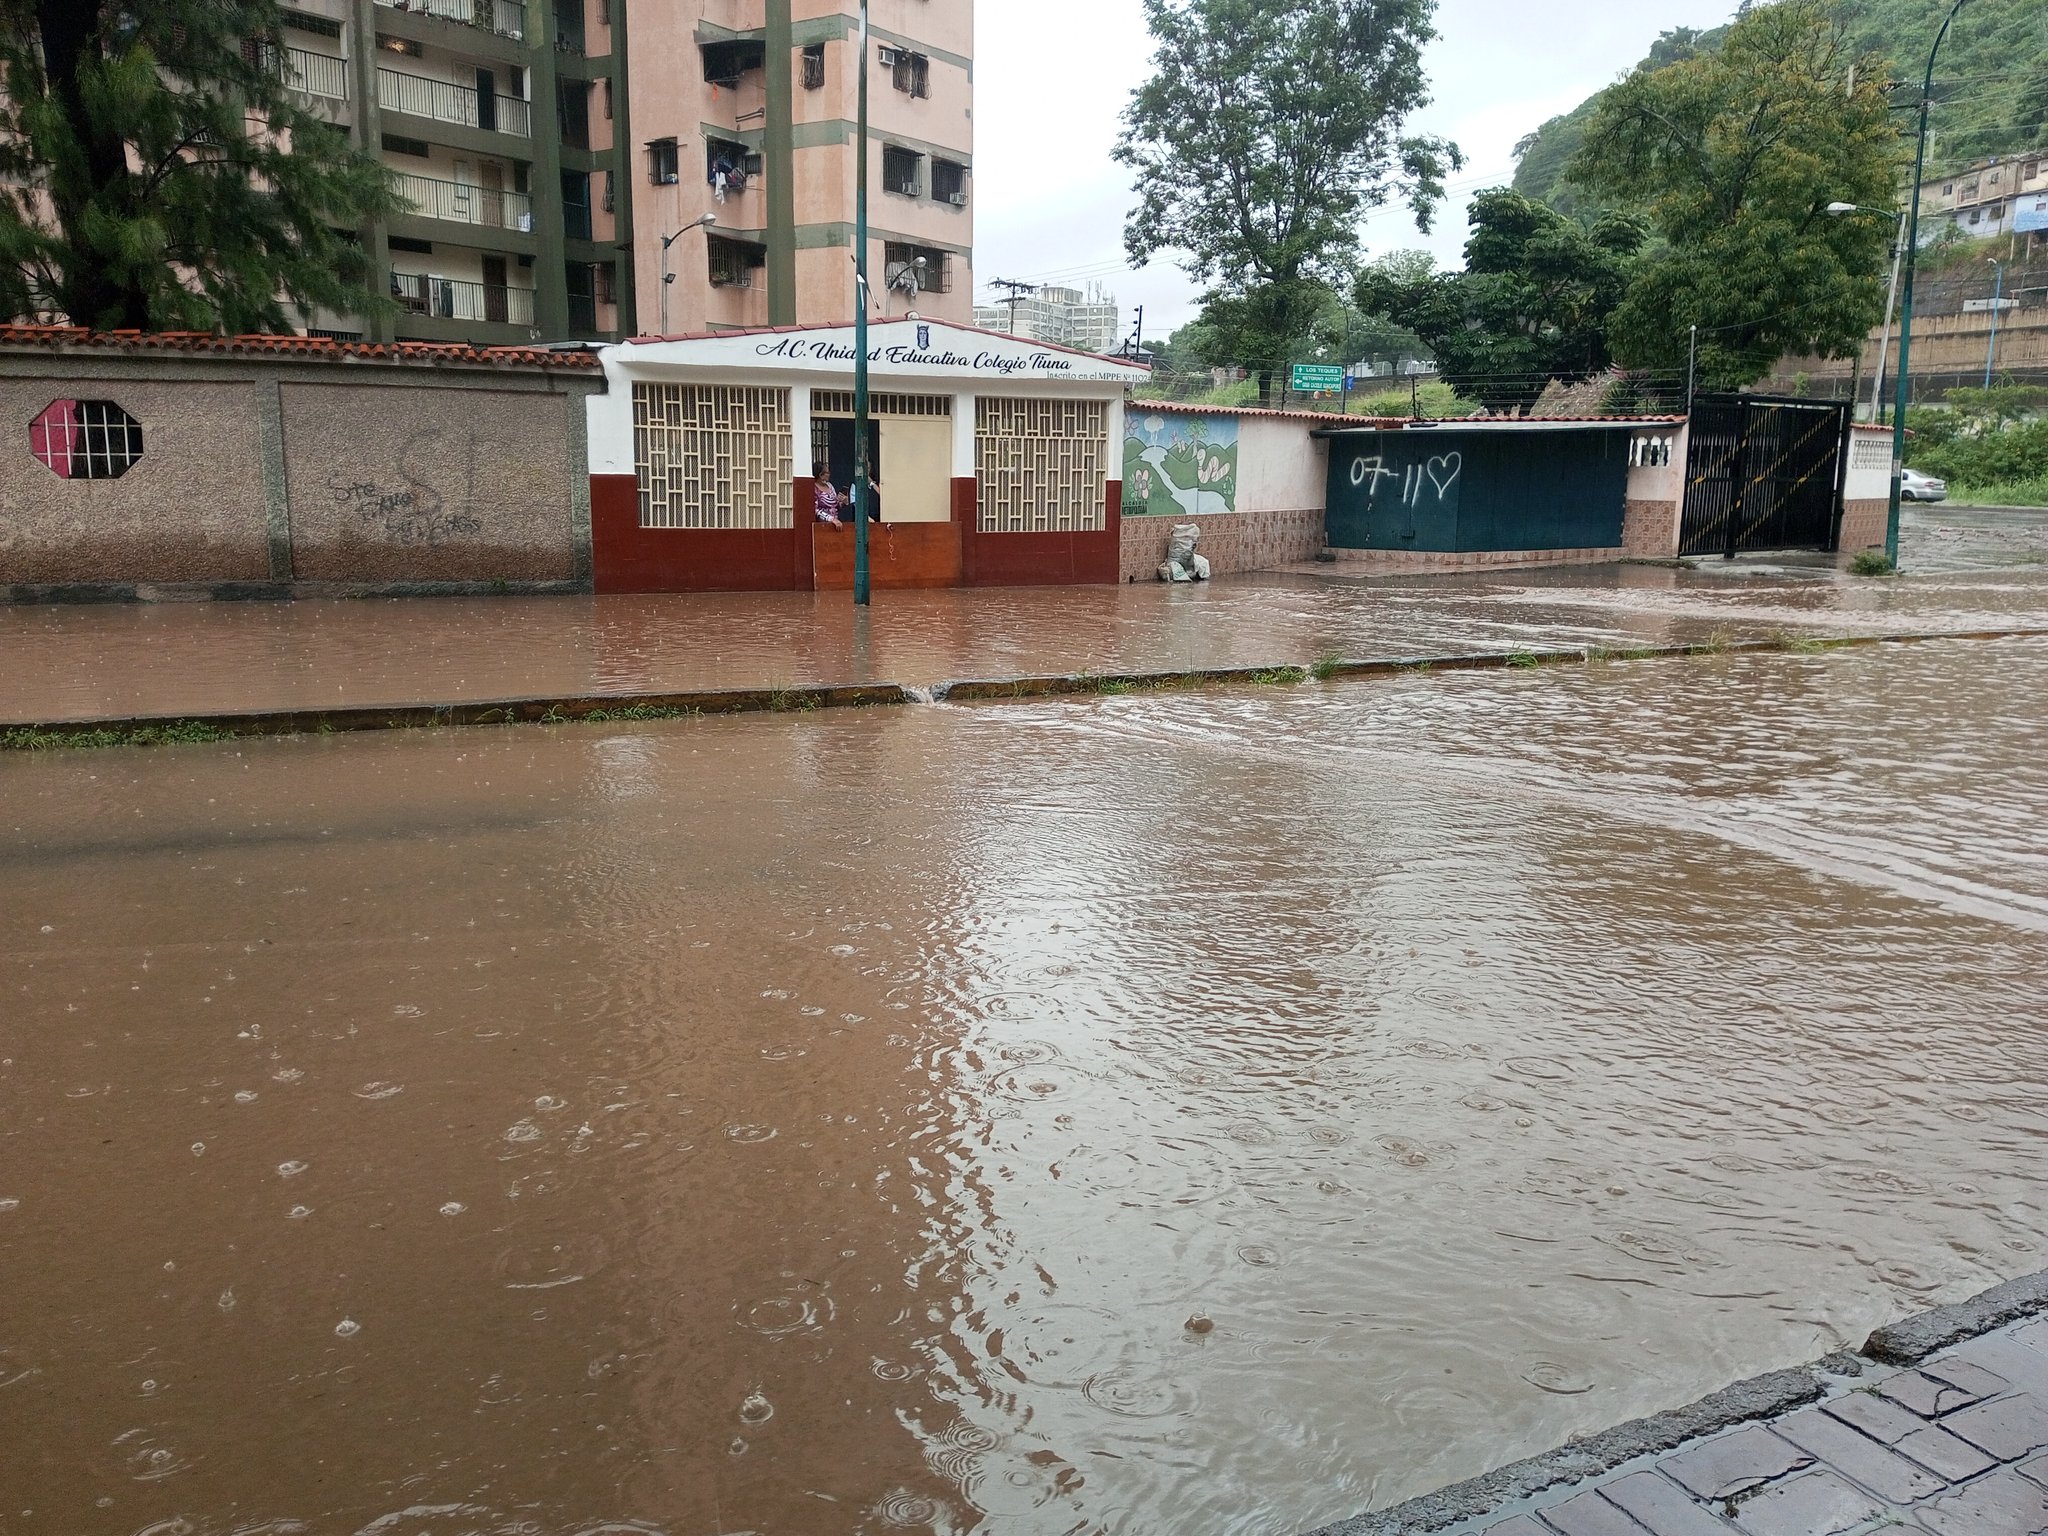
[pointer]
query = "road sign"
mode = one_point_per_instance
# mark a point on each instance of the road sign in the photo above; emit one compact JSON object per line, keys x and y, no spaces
{"x":1318,"y":378}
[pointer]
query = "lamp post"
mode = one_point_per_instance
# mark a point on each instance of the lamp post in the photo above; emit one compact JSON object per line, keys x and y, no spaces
{"x":861,"y":494}
{"x":668,"y":277}
{"x":1905,"y":383}
{"x":1997,"y":303}
{"x":1884,"y":347}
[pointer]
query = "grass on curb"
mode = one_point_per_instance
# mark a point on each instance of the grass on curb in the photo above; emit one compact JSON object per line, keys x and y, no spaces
{"x":178,"y":733}
{"x":1326,"y":666}
{"x":1872,"y":562}
{"x":1280,"y":676}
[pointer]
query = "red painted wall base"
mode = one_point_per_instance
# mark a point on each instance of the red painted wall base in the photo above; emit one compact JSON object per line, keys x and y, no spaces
{"x":626,"y":557}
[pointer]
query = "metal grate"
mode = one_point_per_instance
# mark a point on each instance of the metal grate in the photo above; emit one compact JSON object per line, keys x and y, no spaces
{"x":712,"y":456}
{"x":86,"y":439}
{"x":1041,"y":465}
{"x":1762,"y":473}
{"x":839,"y":402}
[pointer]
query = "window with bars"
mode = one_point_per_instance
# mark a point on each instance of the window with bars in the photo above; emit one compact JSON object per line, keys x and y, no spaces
{"x":733,"y":263}
{"x":712,"y":456}
{"x":902,"y":171}
{"x":902,"y":272}
{"x":664,"y":167}
{"x":949,"y":182}
{"x":910,"y":73}
{"x":85,"y":440}
{"x":814,"y":67}
{"x":1042,"y":465}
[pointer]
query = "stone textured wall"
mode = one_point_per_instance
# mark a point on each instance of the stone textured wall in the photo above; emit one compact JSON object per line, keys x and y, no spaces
{"x":1232,"y":541}
{"x":1649,"y":530}
{"x":1863,"y":524}
{"x":409,"y":485}
{"x":191,"y":510}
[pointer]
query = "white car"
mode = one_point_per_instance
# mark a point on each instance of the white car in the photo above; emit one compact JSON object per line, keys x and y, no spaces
{"x":1914,"y":486}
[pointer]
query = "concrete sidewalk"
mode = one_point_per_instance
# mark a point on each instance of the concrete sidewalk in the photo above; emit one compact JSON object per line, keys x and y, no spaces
{"x":68,"y":665}
{"x":1939,"y":1426}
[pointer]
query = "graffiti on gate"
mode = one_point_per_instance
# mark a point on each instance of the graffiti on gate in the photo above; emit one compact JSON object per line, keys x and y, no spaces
{"x":1438,"y":477}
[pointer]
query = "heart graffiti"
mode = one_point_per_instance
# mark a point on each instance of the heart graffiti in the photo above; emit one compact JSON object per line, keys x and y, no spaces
{"x":1444,"y":471}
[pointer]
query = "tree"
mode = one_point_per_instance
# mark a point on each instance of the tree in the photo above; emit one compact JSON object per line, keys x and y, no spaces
{"x":156,"y":173}
{"x":1268,"y":129}
{"x":1532,"y":305}
{"x":1736,"y":155}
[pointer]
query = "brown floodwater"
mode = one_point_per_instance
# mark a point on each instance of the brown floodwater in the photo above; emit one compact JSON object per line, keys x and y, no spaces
{"x":803,"y":1126}
{"x":1977,"y":571}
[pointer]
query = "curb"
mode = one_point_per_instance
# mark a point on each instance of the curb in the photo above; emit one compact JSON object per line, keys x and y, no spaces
{"x":1903,"y":1343}
{"x":154,"y":730}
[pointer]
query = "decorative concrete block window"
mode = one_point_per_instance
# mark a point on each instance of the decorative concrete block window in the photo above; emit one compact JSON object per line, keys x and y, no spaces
{"x":86,"y":439}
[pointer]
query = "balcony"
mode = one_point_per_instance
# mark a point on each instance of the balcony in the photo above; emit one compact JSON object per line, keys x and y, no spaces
{"x":418,"y":96}
{"x":507,"y":18}
{"x":310,"y":74}
{"x":449,"y":298}
{"x":461,"y":202}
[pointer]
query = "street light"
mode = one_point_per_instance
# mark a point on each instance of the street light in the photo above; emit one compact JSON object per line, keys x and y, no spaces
{"x":1997,"y":303}
{"x":667,"y":276}
{"x":1884,"y":347}
{"x":861,"y":298}
{"x":1891,"y":522}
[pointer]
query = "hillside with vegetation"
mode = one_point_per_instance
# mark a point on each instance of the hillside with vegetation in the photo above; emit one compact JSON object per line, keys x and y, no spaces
{"x":1991,"y":88}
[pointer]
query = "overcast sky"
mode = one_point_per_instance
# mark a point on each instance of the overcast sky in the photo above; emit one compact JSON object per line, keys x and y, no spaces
{"x":1052,"y":76}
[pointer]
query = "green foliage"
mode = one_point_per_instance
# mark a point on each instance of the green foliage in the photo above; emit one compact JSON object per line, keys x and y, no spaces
{"x":1736,"y":155}
{"x":156,"y":174}
{"x":1872,"y":562}
{"x":1973,"y":453}
{"x":1991,"y":91}
{"x":1532,"y":304}
{"x":177,"y":733}
{"x":1266,"y":132}
{"x":1439,"y":402}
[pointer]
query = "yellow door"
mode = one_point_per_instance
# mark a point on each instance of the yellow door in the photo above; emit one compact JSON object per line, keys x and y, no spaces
{"x":917,"y":469}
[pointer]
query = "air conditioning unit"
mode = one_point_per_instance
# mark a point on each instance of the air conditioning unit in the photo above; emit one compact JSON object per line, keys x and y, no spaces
{"x":667,"y":179}
{"x":888,"y":55}
{"x":957,"y":199}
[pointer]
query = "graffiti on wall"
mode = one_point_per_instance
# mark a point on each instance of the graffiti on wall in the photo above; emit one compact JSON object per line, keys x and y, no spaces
{"x":1436,"y":478}
{"x":414,"y":510}
{"x":1179,"y":466}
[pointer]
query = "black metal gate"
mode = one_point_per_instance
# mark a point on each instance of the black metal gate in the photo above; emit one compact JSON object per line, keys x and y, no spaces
{"x":1763,"y":473}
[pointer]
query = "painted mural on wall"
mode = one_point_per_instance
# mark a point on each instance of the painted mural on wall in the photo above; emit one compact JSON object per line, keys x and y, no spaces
{"x":1179,"y":466}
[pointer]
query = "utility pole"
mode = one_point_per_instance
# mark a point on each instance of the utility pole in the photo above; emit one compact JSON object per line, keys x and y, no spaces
{"x":1692,"y":362}
{"x":1017,"y":292}
{"x":1905,"y":384}
{"x":861,"y":494}
{"x":1997,"y":303}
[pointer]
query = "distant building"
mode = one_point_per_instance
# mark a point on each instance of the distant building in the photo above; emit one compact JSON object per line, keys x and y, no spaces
{"x":1993,"y":197}
{"x":1064,"y":317}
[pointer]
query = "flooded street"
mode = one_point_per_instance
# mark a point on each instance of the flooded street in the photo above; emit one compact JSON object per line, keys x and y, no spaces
{"x":1208,"y":1113}
{"x":68,"y":663}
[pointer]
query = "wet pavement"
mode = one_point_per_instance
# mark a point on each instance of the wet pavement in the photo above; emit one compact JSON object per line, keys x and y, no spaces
{"x":166,"y":660}
{"x":1956,"y":1447}
{"x":1205,"y":1113}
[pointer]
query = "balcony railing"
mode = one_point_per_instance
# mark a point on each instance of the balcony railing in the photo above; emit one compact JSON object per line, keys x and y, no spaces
{"x":450,"y":298}
{"x":507,"y":18}
{"x":310,"y":74}
{"x":461,"y":202}
{"x":418,"y":96}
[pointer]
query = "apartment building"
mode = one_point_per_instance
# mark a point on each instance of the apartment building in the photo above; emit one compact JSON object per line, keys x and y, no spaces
{"x":559,"y":155}
{"x":1088,"y":321}
{"x":1994,"y":197}
{"x":745,"y":111}
{"x":503,"y":120}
